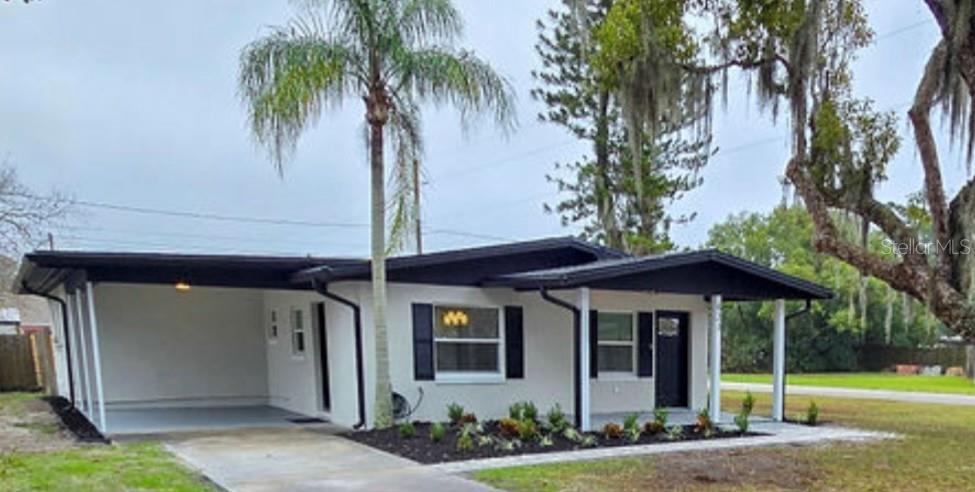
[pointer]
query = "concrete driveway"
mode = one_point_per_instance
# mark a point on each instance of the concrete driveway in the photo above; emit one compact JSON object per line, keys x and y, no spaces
{"x":865,"y":394}
{"x":306,"y":459}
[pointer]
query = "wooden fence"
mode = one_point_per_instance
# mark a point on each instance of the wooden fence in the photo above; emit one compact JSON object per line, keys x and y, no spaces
{"x":883,"y":357}
{"x":27,"y":363}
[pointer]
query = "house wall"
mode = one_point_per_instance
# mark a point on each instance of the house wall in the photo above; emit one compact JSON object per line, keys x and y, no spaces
{"x":163,"y":347}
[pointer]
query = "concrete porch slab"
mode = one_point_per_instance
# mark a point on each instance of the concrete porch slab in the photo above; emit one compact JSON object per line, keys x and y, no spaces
{"x":134,"y":422}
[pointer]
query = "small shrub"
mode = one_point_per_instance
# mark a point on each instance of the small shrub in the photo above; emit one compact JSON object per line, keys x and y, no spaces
{"x":704,"y":423}
{"x":675,"y":433}
{"x":557,"y":422}
{"x":527,"y":430}
{"x":572,"y":435}
{"x":748,"y":403}
{"x":437,"y":432}
{"x":653,"y":427}
{"x":812,"y":414}
{"x":546,"y":441}
{"x":612,"y":431}
{"x":468,"y":418}
{"x":484,"y":441}
{"x":588,"y":441}
{"x":465,"y":442}
{"x":630,"y":422}
{"x":633,"y":434}
{"x":505,"y":445}
{"x":523,"y":410}
{"x":741,"y":420}
{"x":471,"y":429}
{"x":406,"y":430}
{"x":455,"y":412}
{"x":508,"y":427}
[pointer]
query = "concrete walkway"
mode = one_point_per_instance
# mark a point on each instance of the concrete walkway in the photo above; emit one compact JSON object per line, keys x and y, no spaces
{"x":867,"y":394}
{"x":306,"y":459}
{"x":778,"y":434}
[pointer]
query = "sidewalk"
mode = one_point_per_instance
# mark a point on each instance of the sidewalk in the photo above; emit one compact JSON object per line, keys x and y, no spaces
{"x":867,"y":394}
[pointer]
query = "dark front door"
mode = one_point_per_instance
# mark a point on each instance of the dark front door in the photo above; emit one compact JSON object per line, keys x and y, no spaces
{"x":323,"y":355}
{"x":672,"y":359}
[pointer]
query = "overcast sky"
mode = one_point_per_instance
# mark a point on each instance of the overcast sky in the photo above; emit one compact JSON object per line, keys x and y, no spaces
{"x":134,"y":104}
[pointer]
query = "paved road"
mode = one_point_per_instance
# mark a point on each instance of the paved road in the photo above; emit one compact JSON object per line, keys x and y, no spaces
{"x":867,"y":394}
{"x":307,"y":459}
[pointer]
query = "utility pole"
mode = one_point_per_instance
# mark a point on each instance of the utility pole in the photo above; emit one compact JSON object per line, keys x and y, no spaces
{"x":50,"y":241}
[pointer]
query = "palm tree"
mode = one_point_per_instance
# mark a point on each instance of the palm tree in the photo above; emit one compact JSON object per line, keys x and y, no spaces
{"x":394,"y":55}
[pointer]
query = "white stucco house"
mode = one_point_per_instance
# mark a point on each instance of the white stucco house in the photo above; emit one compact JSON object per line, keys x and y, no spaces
{"x":151,"y":338}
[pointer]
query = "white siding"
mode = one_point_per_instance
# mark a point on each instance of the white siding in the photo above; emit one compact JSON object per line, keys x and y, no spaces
{"x":163,"y":347}
{"x":292,"y":380}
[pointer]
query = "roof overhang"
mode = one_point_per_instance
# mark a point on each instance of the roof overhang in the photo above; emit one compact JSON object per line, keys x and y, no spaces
{"x":707,"y":273}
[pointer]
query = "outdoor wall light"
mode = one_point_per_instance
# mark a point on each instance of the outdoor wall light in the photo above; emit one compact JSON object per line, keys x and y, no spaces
{"x":455,"y":318}
{"x":182,"y":286}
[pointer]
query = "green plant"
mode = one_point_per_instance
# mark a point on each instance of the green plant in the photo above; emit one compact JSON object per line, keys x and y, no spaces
{"x":571,"y":434}
{"x":523,"y":410}
{"x":741,"y":420}
{"x":557,"y":422}
{"x":437,"y":432}
{"x":812,"y":414}
{"x":484,"y":441}
{"x":748,"y":403}
{"x":527,"y":430}
{"x":633,"y":434}
{"x":508,"y":427}
{"x":546,"y":441}
{"x":612,"y":431}
{"x":406,"y":430}
{"x":505,"y":445}
{"x":675,"y":433}
{"x":588,"y":441}
{"x":630,"y":422}
{"x":465,"y":442}
{"x":704,"y":423}
{"x":471,"y":429}
{"x":455,"y":412}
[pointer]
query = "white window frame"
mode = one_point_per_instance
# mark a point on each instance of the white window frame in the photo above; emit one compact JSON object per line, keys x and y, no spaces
{"x":295,"y":353}
{"x":470,"y":376}
{"x":632,"y":343}
{"x":273,"y":325}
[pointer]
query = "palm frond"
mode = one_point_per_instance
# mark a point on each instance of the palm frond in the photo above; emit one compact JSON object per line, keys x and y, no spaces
{"x":287,"y":77}
{"x":459,"y":78}
{"x":407,"y":142}
{"x":429,"y":21}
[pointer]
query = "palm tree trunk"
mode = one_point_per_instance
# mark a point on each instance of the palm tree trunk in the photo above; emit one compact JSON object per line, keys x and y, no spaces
{"x":383,"y":416}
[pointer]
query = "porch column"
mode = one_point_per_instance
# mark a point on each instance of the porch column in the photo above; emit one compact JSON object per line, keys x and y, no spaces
{"x":778,"y":362}
{"x":715,"y":404}
{"x":96,"y":356}
{"x":584,"y":358}
{"x":83,"y":348}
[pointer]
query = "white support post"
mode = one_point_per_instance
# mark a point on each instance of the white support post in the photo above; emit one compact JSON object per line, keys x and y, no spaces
{"x":778,"y":362}
{"x":96,"y":356}
{"x":584,"y":357}
{"x":75,"y":350}
{"x":715,"y":404}
{"x":83,"y":346}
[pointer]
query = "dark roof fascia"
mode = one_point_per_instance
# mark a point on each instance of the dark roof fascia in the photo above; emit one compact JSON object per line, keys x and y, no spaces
{"x":578,"y":277}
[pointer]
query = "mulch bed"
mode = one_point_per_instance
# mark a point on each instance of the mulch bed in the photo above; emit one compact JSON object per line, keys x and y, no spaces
{"x":73,"y":420}
{"x":423,"y":450}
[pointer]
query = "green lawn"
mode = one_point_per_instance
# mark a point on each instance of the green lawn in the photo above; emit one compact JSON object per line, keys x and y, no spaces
{"x":934,"y":454}
{"x":92,"y":467}
{"x":867,"y":380}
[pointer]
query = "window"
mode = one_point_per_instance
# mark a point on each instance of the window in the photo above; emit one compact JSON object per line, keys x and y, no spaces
{"x":297,"y":332}
{"x":467,"y":340}
{"x":615,"y":342}
{"x":272,"y":325}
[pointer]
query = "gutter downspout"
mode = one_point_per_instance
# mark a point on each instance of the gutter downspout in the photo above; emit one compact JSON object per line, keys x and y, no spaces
{"x":67,"y":338}
{"x":576,"y":350}
{"x":795,"y":314}
{"x":359,"y":372}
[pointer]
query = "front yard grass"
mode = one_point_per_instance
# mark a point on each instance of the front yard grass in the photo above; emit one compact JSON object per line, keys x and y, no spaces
{"x":38,"y":455}
{"x":934,"y":454}
{"x":867,"y":380}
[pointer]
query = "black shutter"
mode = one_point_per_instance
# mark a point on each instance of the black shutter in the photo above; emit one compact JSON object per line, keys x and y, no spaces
{"x":593,"y":343}
{"x":644,"y":342}
{"x":514,"y":342}
{"x":423,"y":342}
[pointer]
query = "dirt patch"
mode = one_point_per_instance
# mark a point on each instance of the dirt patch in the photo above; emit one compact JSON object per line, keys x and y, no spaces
{"x":422,"y":449}
{"x":28,"y":425}
{"x":73,"y":421}
{"x":769,"y":468}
